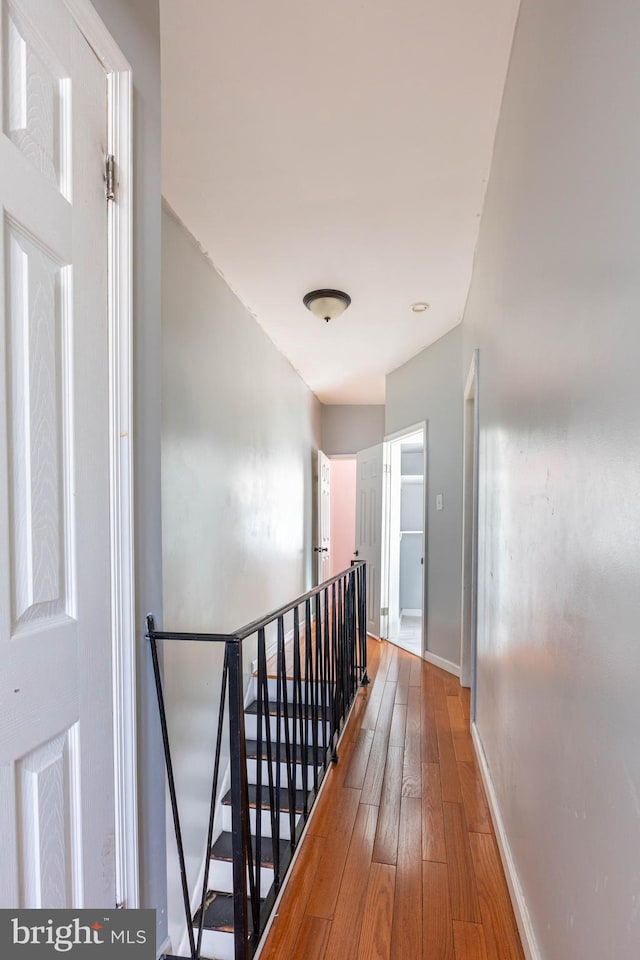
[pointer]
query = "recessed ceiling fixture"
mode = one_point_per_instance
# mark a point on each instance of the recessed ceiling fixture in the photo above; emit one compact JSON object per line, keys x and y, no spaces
{"x":326,"y":304}
{"x":420,"y":306}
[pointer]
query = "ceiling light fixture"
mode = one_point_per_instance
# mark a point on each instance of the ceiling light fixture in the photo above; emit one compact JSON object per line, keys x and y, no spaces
{"x":419,"y":307}
{"x":327,"y":304}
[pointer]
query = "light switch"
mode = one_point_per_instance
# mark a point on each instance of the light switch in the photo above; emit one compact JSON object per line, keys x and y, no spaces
{"x":439,"y":501}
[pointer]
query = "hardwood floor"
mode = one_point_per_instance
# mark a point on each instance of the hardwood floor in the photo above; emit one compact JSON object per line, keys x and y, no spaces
{"x":400,"y":861}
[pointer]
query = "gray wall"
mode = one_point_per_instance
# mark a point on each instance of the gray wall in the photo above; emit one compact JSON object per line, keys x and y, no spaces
{"x":136,"y":29}
{"x":348,"y":428}
{"x":553,"y":309}
{"x":239,"y":432}
{"x":429,"y":387}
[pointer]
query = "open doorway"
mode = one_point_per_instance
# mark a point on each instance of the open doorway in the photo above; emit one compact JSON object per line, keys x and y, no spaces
{"x":406,"y":543}
{"x":343,"y":513}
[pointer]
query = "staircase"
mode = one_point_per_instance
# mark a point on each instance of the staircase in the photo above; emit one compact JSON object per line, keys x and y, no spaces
{"x":218,"y":926}
{"x":282,"y":740}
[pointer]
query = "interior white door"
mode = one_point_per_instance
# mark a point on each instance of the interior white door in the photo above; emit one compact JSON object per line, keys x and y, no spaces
{"x":323,"y":546}
{"x":369,"y":479}
{"x":56,"y":713}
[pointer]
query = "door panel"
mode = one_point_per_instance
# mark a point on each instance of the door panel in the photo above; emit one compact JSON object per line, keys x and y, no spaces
{"x":56,"y":710}
{"x":369,"y":476}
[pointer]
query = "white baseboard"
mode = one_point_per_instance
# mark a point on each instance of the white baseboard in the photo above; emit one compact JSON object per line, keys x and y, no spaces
{"x":437,"y":661}
{"x":515,"y":890}
{"x":164,"y":948}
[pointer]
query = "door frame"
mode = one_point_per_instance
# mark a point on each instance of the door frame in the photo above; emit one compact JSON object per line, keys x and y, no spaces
{"x":120,"y":314}
{"x":423,"y":426}
{"x":469,"y":599}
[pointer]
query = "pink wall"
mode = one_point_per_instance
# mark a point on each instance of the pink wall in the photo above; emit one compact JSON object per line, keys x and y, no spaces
{"x":343,"y":514}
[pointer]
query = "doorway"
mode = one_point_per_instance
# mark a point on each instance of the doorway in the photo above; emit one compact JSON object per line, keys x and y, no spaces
{"x":405,"y":474}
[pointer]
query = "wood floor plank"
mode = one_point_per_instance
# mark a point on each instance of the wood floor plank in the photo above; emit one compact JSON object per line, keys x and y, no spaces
{"x":370,"y":715}
{"x":385,"y":849}
{"x":415,"y":677}
{"x":500,"y":928}
{"x":465,"y":696}
{"x":322,"y":900}
{"x":398,"y":725}
{"x":404,"y":674}
{"x":460,"y":730}
{"x":385,"y":714}
{"x":312,"y":938}
{"x":372,"y":783}
{"x":350,"y":905}
{"x":406,"y":935}
{"x":436,"y":912}
{"x":469,"y":942}
{"x":462,"y":881}
{"x":448,"y":764}
{"x":451,"y":684}
{"x":375,"y":935}
{"x":433,"y":842}
{"x":286,"y":925}
{"x":360,"y":758}
{"x":475,"y":805}
{"x":430,"y":752}
{"x":394,"y":662}
{"x":333,"y":810}
{"x":412,"y":768}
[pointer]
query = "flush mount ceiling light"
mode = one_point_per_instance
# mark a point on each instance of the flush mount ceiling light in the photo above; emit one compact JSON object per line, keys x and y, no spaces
{"x":327,"y":304}
{"x":419,"y":307}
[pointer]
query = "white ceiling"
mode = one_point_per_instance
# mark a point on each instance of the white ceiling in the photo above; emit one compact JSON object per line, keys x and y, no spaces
{"x":342,"y":143}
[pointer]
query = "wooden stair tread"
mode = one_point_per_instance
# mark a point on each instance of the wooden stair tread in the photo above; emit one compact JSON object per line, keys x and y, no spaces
{"x":272,"y":706}
{"x":265,"y":805}
{"x":223,"y":849}
{"x":281,"y":754}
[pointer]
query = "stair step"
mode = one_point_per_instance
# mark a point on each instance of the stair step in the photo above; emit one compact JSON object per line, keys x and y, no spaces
{"x":218,"y":912}
{"x":280,"y":755}
{"x":265,"y":819}
{"x":273,"y":709}
{"x":284,"y":799}
{"x":254,"y":721}
{"x":217,"y":928}
{"x":222,"y":849}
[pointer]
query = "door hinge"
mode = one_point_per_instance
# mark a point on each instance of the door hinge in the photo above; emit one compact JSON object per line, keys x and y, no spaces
{"x":110,"y":176}
{"x":384,"y":611}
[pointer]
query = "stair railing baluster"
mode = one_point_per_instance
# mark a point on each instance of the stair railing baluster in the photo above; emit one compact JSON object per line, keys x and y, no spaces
{"x":240,"y":841}
{"x":291,"y":779}
{"x":328,"y":669}
{"x":214,"y":796}
{"x":307,"y":702}
{"x":336,"y":668}
{"x":298,"y":714}
{"x":313,"y":663}
{"x":171,"y":782}
{"x":260,"y":721}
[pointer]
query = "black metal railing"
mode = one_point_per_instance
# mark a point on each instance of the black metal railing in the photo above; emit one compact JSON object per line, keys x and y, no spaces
{"x":303,"y":694}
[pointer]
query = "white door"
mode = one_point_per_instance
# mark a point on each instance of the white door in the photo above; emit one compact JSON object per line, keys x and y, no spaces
{"x":323,"y":546}
{"x":369,"y":474}
{"x":56,"y":741}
